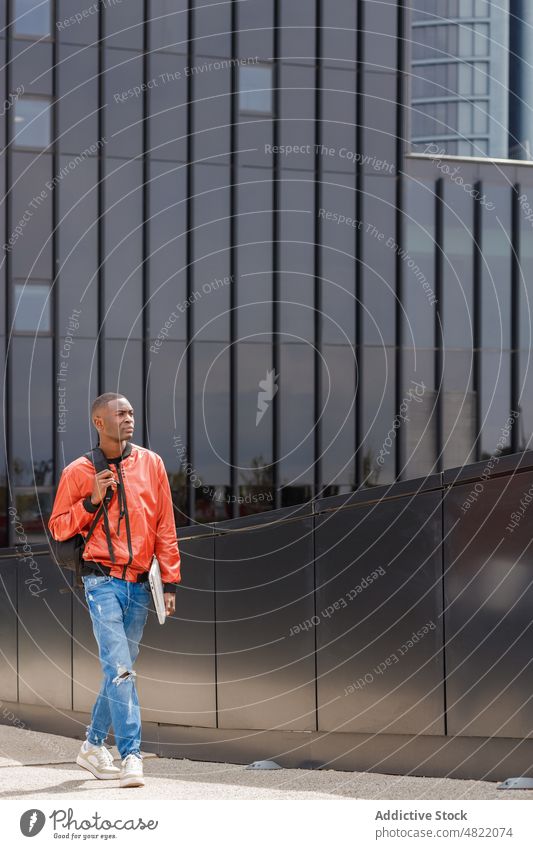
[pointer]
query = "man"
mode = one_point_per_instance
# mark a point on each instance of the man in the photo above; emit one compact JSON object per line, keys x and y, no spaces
{"x":116,"y":561}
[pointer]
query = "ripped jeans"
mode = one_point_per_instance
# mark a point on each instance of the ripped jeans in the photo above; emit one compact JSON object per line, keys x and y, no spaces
{"x":118,"y":611}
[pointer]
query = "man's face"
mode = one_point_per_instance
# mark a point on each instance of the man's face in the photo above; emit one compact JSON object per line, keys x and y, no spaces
{"x":116,"y":419}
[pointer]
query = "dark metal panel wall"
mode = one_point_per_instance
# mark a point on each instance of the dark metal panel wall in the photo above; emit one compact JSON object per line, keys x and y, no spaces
{"x":176,"y":665}
{"x":489,"y":602}
{"x":8,"y":629}
{"x":264,"y":587}
{"x":255,"y":577}
{"x":87,"y":672}
{"x":500,"y":465}
{"x":378,"y":577}
{"x":45,"y":639}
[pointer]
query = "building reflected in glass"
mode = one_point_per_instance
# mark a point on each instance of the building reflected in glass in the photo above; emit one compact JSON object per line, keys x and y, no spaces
{"x":240,"y":231}
{"x":471,"y":77}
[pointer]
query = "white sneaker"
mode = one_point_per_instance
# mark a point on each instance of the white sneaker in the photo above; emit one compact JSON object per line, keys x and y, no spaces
{"x":99,"y":761}
{"x":131,"y":774}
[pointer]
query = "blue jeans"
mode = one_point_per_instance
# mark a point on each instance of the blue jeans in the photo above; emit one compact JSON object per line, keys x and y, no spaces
{"x":118,"y":610}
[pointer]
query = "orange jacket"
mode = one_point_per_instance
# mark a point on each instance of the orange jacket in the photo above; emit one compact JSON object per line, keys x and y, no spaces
{"x":144,"y":527}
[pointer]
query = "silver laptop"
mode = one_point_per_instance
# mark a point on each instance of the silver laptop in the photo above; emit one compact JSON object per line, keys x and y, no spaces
{"x":156,"y":585}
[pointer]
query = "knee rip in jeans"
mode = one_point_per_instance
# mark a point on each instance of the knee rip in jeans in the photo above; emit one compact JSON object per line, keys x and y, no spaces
{"x":124,"y":674}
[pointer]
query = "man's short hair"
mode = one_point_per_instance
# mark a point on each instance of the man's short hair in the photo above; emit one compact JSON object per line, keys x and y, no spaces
{"x":102,"y":401}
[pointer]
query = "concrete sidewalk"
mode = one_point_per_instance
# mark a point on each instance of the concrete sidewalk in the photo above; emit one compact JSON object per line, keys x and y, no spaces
{"x":34,"y":765}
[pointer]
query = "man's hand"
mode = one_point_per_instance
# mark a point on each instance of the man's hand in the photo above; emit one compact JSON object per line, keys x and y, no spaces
{"x":102,"y":481}
{"x":170,"y":603}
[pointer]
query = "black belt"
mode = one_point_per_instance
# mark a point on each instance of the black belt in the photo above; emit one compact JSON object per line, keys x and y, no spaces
{"x":98,"y":568}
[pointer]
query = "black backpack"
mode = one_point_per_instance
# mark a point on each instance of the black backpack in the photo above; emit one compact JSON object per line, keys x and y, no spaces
{"x":68,"y":554}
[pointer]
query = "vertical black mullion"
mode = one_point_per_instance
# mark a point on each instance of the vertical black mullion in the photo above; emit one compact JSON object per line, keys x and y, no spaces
{"x":476,"y":307}
{"x":8,"y":204}
{"x":515,"y":315}
{"x":403,"y":24}
{"x":443,"y":617}
{"x":146,"y":225}
{"x":101,"y":205}
{"x":318,"y":256}
{"x":275,"y":258}
{"x":358,"y":324}
{"x":233,"y":385}
{"x":318,"y":482}
{"x":55,"y":296}
{"x":55,"y":260}
{"x":191,"y":501}
{"x":439,"y":358}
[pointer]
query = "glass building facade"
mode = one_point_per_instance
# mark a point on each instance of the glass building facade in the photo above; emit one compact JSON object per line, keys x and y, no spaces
{"x":215,"y":210}
{"x":460,"y":76}
{"x":471,"y":77}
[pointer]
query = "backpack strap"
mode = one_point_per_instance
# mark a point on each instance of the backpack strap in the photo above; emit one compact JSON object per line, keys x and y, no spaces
{"x":99,"y":461}
{"x":97,"y":458}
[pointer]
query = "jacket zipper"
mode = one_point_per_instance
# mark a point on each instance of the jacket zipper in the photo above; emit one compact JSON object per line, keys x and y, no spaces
{"x":128,"y":535}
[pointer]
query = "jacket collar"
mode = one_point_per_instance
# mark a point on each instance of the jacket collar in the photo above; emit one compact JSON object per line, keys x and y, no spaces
{"x":126,"y":452}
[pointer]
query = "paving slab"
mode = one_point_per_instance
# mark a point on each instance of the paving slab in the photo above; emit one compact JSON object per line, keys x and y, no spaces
{"x":35,"y":765}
